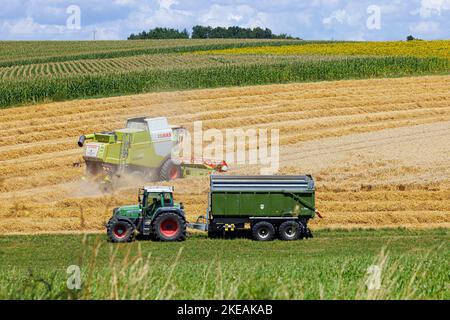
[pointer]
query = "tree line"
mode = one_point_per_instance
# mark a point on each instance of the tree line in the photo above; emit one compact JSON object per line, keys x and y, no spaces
{"x":201,"y":32}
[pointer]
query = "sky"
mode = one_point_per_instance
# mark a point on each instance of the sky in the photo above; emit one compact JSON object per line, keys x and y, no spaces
{"x":372,"y":20}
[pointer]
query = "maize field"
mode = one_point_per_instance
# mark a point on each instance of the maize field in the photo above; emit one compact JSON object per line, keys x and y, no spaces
{"x":46,"y":71}
{"x":30,"y":52}
{"x":142,"y":62}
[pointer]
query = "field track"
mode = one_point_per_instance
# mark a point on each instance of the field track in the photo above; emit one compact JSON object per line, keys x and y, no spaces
{"x":379,"y":150}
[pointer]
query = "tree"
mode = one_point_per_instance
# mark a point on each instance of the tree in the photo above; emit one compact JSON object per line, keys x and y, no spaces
{"x":160,"y":33}
{"x":201,"y":32}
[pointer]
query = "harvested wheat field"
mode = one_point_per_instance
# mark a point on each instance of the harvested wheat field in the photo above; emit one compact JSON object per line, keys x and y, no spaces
{"x":378,"y":149}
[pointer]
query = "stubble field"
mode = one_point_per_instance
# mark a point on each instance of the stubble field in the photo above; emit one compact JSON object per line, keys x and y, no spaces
{"x":378,"y":149}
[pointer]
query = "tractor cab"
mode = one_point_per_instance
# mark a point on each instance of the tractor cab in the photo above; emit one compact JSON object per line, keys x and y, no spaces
{"x":152,"y":198}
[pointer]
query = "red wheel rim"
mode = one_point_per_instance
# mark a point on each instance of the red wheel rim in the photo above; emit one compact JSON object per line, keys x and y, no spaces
{"x":120,"y":231}
{"x":169,"y":228}
{"x":173,"y":173}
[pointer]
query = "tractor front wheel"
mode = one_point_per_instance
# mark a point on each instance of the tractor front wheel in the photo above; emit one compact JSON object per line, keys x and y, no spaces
{"x":120,"y":231}
{"x":169,"y":226}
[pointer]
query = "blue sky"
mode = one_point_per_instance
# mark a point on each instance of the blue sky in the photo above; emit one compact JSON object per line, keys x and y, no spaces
{"x":310,"y":19}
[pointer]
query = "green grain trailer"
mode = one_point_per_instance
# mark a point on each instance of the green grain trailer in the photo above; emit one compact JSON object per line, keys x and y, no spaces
{"x":269,"y":206}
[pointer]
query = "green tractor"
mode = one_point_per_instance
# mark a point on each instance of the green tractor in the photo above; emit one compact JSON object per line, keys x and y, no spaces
{"x":157,"y":216}
{"x":144,"y":149}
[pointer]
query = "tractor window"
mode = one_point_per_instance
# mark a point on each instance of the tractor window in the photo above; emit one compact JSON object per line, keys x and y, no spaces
{"x":152,"y":199}
{"x":167,"y":199}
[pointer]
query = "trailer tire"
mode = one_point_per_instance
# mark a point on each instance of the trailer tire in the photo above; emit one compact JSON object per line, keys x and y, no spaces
{"x":120,"y":231}
{"x":289,"y":230}
{"x":170,"y":171}
{"x":263,"y":231}
{"x":169,"y":226}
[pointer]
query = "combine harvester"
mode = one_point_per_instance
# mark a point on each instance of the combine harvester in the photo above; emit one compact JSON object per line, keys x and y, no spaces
{"x":143,"y":149}
{"x":266,"y":206}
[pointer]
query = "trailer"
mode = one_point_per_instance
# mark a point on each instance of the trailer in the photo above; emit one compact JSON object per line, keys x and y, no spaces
{"x":268,"y":206}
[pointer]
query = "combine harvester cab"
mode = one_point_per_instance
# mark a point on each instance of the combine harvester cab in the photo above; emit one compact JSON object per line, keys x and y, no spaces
{"x":144,"y":148}
{"x":268,"y":206}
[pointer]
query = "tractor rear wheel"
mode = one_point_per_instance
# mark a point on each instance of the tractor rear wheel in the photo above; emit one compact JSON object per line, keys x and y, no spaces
{"x":169,"y":226}
{"x":263,"y":231}
{"x":170,"y":171}
{"x":120,"y":231}
{"x":289,"y":230}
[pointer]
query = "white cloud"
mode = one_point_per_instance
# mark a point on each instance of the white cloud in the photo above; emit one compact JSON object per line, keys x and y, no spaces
{"x":125,"y":2}
{"x":313,"y":19}
{"x":105,"y":33}
{"x":430,"y":8}
{"x":339,"y":16}
{"x":28,"y":26}
{"x":167,"y":4}
{"x":226,"y":16}
{"x":425,"y":28}
{"x":347,"y":16}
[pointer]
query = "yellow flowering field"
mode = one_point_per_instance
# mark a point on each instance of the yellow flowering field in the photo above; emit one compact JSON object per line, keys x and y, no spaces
{"x":439,"y":48}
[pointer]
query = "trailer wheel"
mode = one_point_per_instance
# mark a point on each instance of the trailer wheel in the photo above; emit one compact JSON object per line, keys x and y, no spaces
{"x":169,"y":226}
{"x":170,"y":171}
{"x":120,"y":231}
{"x":263,"y":231}
{"x":289,"y":230}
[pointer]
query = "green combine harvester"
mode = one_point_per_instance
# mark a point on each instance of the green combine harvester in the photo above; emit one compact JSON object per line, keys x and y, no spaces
{"x":144,"y":148}
{"x":268,"y":207}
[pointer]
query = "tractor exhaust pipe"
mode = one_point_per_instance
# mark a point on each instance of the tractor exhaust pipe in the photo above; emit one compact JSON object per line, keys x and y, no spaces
{"x":81,"y":141}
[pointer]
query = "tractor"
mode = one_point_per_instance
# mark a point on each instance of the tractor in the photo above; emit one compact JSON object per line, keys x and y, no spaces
{"x":157,"y":217}
{"x":144,"y":149}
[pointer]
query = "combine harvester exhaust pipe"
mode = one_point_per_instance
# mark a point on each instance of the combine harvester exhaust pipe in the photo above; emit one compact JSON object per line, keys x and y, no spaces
{"x":83,"y":138}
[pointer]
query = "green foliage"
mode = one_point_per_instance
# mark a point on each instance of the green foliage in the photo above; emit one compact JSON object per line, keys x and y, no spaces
{"x":332,"y":265}
{"x":411,"y":38}
{"x":14,"y":92}
{"x":235,"y":32}
{"x":160,"y":33}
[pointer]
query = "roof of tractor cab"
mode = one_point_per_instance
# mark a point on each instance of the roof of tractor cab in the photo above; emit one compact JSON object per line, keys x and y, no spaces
{"x":158,"y":189}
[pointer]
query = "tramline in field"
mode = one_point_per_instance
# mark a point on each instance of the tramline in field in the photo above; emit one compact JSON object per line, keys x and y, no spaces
{"x":268,"y":206}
